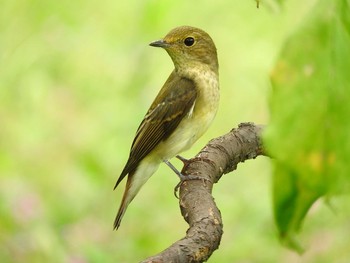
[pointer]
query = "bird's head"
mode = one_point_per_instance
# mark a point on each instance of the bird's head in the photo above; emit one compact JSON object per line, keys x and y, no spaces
{"x":189,"y":47}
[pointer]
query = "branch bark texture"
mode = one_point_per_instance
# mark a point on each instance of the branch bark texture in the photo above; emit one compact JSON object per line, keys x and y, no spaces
{"x":220,"y":156}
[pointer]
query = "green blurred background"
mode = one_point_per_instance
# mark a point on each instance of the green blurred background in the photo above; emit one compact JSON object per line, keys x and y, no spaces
{"x":76,"y":78}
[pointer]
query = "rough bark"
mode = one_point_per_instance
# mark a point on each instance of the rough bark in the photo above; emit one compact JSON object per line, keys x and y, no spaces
{"x":220,"y":156}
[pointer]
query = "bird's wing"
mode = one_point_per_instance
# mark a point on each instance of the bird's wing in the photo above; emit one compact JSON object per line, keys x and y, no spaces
{"x":172,"y":104}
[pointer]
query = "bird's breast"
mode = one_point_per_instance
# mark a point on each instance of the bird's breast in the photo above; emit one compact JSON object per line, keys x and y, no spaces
{"x":198,"y":119}
{"x":207,"y":102}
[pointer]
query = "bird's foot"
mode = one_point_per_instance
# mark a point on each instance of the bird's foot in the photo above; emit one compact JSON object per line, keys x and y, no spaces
{"x":182,"y":177}
{"x":188,"y":177}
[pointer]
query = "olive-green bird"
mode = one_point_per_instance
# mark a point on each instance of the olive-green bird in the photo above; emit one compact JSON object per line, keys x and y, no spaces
{"x":180,"y":114}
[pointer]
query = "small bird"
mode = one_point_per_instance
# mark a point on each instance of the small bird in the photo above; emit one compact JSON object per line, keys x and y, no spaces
{"x":180,"y":114}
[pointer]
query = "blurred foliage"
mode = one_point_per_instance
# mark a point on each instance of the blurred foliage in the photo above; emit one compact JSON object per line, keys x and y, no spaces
{"x":76,"y":77}
{"x":308,"y":134}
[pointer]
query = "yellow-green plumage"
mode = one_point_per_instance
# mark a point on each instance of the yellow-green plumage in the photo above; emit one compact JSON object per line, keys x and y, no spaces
{"x":181,"y":112}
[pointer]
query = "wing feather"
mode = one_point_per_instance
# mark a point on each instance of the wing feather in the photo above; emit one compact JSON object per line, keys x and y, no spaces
{"x":175,"y":100}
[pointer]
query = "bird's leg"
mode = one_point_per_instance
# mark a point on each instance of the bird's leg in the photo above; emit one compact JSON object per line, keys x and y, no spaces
{"x":172,"y":167}
{"x":180,"y":175}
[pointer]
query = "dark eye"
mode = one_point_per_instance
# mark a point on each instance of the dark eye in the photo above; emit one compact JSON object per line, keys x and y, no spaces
{"x":189,"y":41}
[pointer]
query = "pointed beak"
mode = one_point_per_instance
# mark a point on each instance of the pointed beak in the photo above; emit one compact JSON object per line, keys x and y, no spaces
{"x":159,"y":43}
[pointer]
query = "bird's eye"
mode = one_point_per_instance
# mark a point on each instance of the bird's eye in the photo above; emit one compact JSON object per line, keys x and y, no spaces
{"x":189,"y":41}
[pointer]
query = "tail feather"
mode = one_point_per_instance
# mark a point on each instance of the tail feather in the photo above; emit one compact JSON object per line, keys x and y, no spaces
{"x":124,"y":204}
{"x":134,"y":183}
{"x":119,"y":217}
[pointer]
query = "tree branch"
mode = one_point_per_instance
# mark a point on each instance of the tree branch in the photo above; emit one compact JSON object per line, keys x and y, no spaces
{"x":220,"y":156}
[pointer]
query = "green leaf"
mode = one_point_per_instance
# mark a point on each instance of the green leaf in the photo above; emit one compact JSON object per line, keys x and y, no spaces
{"x":309,"y":131}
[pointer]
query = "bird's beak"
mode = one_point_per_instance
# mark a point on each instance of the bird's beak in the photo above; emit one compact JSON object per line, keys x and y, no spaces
{"x":159,"y":43}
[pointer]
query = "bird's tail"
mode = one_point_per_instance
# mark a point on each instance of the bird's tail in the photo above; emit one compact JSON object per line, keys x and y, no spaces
{"x":134,"y":183}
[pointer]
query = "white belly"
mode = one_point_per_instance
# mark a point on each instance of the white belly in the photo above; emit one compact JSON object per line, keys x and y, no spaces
{"x":196,"y":123}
